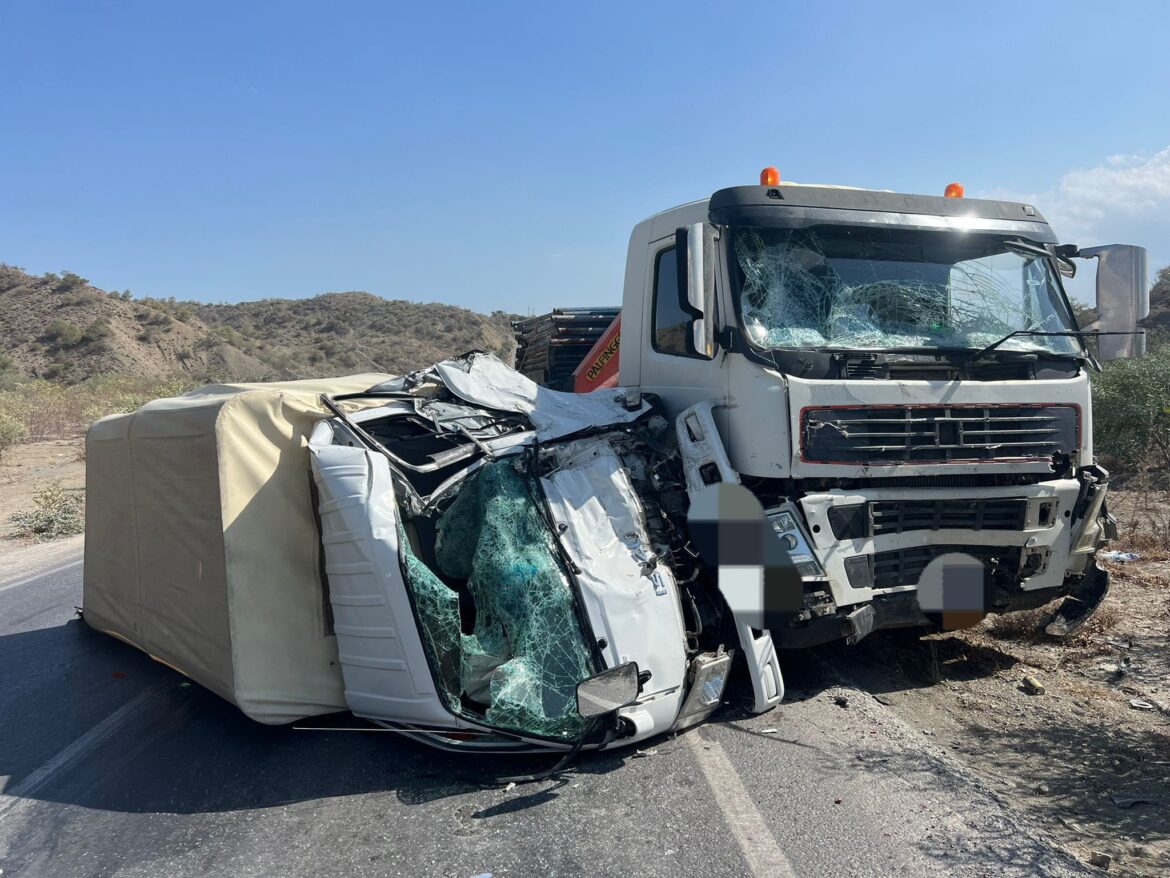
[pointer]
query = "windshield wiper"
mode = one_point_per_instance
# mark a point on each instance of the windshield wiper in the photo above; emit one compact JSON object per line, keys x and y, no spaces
{"x":1058,"y":255}
{"x":1077,"y":333}
{"x":1071,"y":333}
{"x":1027,"y":248}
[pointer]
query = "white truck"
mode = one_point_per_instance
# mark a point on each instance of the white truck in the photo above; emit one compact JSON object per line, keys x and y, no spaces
{"x":883,"y":397}
{"x":902,"y":374}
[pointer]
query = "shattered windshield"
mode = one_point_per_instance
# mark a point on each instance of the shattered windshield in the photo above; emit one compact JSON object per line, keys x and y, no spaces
{"x":871,"y":288}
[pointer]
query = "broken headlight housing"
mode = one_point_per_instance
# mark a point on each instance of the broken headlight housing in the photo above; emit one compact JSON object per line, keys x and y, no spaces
{"x":789,"y":530}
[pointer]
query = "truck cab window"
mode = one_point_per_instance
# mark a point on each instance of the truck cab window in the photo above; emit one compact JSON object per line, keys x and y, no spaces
{"x":671,"y":322}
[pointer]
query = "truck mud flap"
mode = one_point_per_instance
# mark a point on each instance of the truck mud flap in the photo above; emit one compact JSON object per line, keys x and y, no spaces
{"x":1080,"y":604}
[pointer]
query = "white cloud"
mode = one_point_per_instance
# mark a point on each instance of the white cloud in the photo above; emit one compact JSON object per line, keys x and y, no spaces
{"x":1125,"y":200}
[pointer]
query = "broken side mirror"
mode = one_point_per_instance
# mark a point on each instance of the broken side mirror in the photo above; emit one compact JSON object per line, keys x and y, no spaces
{"x":1123,"y":298}
{"x":696,"y":281}
{"x":608,"y":691}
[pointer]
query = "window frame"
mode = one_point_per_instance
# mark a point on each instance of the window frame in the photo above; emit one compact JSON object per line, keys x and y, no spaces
{"x":683,"y":307}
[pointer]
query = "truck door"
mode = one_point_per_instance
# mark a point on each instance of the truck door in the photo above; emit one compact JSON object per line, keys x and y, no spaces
{"x":670,"y":365}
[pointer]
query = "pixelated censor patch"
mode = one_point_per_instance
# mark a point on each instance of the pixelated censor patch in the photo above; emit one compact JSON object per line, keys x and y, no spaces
{"x":756,"y":574}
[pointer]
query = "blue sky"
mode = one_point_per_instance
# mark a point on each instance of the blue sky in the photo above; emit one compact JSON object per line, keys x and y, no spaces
{"x":497,"y":155}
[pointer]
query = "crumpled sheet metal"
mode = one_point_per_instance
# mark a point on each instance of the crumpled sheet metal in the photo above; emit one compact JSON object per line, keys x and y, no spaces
{"x":481,"y":379}
{"x":629,"y":593}
{"x":484,"y":551}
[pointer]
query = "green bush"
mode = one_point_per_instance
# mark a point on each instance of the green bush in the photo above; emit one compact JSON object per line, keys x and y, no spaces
{"x":96,"y":333}
{"x":69,"y":281}
{"x":58,"y":513}
{"x":63,"y":333}
{"x":1131,"y":412}
{"x":12,"y":430}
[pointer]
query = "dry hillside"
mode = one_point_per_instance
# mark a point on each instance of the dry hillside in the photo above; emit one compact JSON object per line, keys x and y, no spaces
{"x":62,"y":328}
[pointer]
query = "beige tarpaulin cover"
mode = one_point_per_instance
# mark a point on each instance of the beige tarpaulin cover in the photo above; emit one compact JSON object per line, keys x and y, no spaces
{"x":201,"y":546}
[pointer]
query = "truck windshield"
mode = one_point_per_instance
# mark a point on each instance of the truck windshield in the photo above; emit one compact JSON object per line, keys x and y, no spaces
{"x":878,"y":288}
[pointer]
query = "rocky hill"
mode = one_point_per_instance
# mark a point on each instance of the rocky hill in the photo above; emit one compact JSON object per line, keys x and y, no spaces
{"x":62,"y":328}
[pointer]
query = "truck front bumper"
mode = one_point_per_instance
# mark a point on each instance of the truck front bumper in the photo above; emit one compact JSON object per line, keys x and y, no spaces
{"x":1036,"y":541}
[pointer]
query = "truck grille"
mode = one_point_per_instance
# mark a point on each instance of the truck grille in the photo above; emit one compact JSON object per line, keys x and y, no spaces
{"x":905,"y":566}
{"x":937,"y":434}
{"x":881,"y":517}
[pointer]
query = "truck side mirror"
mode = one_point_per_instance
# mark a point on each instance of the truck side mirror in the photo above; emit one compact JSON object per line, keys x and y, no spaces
{"x":608,"y":691}
{"x":696,"y":281}
{"x":1123,"y":298}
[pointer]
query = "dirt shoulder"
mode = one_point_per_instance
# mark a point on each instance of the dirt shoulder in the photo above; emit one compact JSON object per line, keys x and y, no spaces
{"x":27,"y":469}
{"x":1087,"y":764}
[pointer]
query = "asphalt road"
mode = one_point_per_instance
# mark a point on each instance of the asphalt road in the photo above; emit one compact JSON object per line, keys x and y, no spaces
{"x":112,"y":764}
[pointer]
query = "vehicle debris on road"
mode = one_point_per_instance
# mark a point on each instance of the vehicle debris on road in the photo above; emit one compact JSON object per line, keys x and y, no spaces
{"x":1032,"y":686}
{"x":1114,"y":555}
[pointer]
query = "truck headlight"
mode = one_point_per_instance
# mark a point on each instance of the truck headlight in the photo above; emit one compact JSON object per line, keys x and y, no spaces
{"x":789,"y":531}
{"x":708,"y":677}
{"x":1090,"y":533}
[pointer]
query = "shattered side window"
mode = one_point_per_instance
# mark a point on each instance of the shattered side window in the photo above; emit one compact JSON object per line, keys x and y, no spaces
{"x":876,"y":288}
{"x":519,"y":667}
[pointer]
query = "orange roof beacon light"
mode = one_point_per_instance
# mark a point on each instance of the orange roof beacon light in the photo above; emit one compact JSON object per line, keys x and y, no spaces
{"x":769,"y":177}
{"x":953,"y":190}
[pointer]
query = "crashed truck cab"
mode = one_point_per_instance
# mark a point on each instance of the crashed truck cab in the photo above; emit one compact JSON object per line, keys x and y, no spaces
{"x":489,"y":545}
{"x":902,"y":376}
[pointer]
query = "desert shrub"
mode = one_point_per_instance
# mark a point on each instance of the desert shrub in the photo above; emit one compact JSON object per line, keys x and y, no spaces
{"x":77,"y":297}
{"x":94,"y":336}
{"x":58,"y":371}
{"x":12,"y":431}
{"x":69,"y":281}
{"x":1131,"y":412}
{"x":48,"y":410}
{"x":63,"y":333}
{"x":58,"y":513}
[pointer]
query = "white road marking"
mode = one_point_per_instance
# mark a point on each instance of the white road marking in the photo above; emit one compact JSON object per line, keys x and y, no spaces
{"x":40,"y":575}
{"x":747,"y":824}
{"x":80,"y":748}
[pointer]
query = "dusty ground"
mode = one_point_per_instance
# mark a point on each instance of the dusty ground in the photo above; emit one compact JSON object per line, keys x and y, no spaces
{"x":1088,"y":765}
{"x":26,"y":469}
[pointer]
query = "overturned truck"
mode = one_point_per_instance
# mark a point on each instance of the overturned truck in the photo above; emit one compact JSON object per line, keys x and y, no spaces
{"x":459,"y":553}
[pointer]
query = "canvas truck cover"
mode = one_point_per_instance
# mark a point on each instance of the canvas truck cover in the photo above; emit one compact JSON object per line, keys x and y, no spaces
{"x":201,"y":546}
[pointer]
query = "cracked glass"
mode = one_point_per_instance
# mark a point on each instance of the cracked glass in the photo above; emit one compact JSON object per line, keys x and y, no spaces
{"x":861,"y":288}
